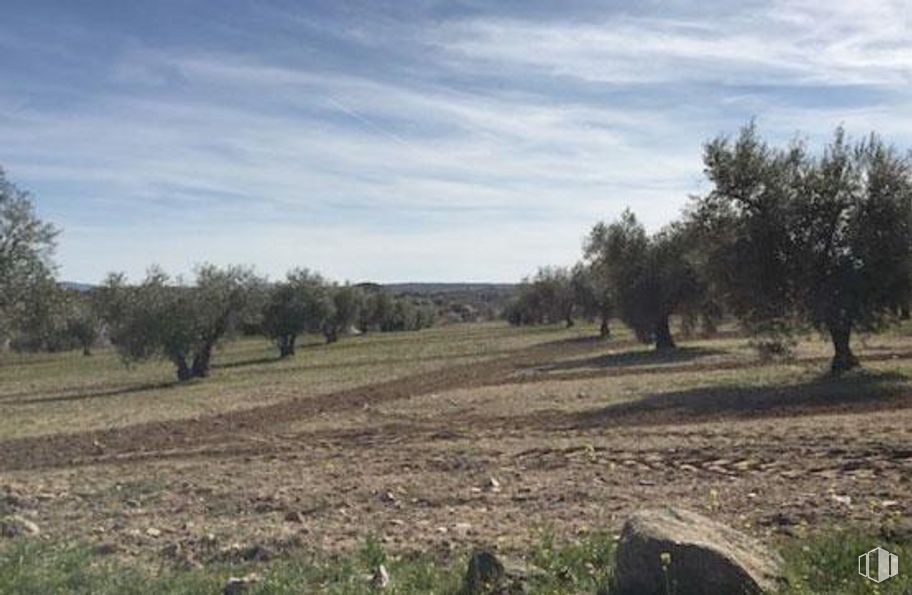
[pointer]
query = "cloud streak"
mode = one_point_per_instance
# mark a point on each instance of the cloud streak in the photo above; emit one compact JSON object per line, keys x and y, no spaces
{"x":474,"y":147}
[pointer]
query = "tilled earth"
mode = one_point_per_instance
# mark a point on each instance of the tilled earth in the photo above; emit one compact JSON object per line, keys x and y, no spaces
{"x":327,"y":472}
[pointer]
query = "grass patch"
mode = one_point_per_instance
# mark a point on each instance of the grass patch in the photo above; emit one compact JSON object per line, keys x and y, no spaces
{"x":829,"y":564}
{"x":826,"y":564}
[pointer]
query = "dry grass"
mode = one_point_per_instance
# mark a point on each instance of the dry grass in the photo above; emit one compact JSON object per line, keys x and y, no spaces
{"x":577,"y":432}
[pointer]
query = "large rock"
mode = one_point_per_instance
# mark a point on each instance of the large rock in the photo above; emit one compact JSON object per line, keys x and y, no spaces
{"x":678,"y":551}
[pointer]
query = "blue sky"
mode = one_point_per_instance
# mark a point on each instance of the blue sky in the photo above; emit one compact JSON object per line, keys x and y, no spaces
{"x":421,"y":141}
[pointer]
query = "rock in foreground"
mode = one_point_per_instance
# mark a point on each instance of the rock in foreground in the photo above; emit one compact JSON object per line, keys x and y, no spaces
{"x":672,"y":550}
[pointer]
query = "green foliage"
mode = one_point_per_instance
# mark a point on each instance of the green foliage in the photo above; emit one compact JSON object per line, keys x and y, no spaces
{"x":792,"y":240}
{"x":384,"y":312}
{"x":300,"y":304}
{"x":829,"y":564}
{"x":26,"y":247}
{"x":649,"y":277}
{"x":177,"y":322}
{"x":346,"y":304}
{"x":546,"y":298}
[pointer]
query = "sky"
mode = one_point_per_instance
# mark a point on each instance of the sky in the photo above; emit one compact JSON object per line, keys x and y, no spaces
{"x":410,"y":140}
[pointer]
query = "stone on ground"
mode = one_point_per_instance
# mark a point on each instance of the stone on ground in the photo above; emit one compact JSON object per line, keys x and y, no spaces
{"x":16,"y":526}
{"x":672,"y":550}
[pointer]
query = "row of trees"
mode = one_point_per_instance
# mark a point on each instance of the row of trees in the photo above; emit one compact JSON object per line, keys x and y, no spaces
{"x":164,"y":317}
{"x":785,"y":241}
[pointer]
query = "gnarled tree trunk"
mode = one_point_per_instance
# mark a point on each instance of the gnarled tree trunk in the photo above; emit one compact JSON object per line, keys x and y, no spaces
{"x":200,"y":368}
{"x":183,"y":370}
{"x":843,"y":358}
{"x":604,"y":329}
{"x":331,"y":333}
{"x":287,"y":345}
{"x":663,"y":339}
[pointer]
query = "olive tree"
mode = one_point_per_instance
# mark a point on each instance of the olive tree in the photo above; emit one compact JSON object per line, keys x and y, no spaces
{"x":649,"y":276}
{"x":26,"y":247}
{"x":169,"y":319}
{"x":592,"y":293}
{"x":546,"y":298}
{"x":821,"y":241}
{"x":345,"y":306}
{"x":300,"y":304}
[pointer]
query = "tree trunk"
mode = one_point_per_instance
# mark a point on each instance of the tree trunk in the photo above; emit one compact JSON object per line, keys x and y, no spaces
{"x":86,"y":350}
{"x":569,"y":321}
{"x":843,"y":358}
{"x":201,"y":360}
{"x":663,"y":339}
{"x":287,"y":346}
{"x":604,"y":329}
{"x":331,"y":333}
{"x":904,"y":312}
{"x":183,"y":370}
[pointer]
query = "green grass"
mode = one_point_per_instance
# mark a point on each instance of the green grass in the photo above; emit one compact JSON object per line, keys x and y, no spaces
{"x":824,"y":565}
{"x":52,"y":393}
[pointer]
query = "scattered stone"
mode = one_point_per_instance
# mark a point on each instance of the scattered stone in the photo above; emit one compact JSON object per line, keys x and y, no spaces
{"x":486,"y":573}
{"x":16,"y":526}
{"x":105,"y":549}
{"x":847,"y":500}
{"x":380,"y":579}
{"x":236,"y":585}
{"x":493,"y":485}
{"x":153,"y":532}
{"x":257,"y":553}
{"x":694,"y":553}
{"x":294,"y":516}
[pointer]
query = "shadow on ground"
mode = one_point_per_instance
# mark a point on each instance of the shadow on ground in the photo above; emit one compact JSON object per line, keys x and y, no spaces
{"x":859,"y":391}
{"x":634,"y":358}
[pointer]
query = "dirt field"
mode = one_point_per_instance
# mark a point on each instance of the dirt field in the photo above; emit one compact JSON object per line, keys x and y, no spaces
{"x":450,"y":438}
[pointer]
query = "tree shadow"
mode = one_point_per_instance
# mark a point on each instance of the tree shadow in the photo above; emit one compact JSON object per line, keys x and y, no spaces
{"x":247,"y":362}
{"x":94,"y":394}
{"x":634,"y":358}
{"x":859,"y":391}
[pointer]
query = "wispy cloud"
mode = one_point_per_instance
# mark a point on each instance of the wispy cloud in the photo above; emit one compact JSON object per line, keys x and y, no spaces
{"x":472,"y":146}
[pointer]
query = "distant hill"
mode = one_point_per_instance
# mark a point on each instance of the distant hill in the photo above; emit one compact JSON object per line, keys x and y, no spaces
{"x":502,"y":289}
{"x":450,"y":288}
{"x":74,"y":286}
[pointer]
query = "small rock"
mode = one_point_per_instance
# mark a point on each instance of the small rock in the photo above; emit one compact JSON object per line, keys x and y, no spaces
{"x":294,"y":516}
{"x":847,"y":500}
{"x":380,"y":579}
{"x":236,"y":585}
{"x":105,"y":549}
{"x":485,"y":572}
{"x":15,"y":526}
{"x":153,"y":532}
{"x":257,"y":553}
{"x":493,"y":485}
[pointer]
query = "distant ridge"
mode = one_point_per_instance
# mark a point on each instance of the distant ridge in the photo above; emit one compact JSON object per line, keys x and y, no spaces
{"x":74,"y":286}
{"x":412,"y":288}
{"x":446,"y":288}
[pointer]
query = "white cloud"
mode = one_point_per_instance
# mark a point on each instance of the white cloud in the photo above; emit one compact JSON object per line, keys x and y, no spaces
{"x":794,"y":43}
{"x":182,"y":156}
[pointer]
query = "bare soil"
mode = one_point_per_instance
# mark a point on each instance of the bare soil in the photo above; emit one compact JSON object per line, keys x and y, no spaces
{"x":410,"y":462}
